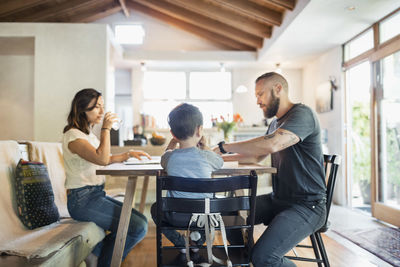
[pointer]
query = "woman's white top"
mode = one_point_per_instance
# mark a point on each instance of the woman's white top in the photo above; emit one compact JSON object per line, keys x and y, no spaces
{"x":80,"y":172}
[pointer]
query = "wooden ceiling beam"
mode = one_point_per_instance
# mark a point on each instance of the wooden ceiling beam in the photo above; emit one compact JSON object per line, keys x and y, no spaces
{"x":124,"y":8}
{"x":224,"y":16}
{"x":203,"y":22}
{"x":71,"y":7}
{"x":286,"y":4}
{"x":207,"y":35}
{"x":15,"y":6}
{"x":96,"y":13}
{"x":251,"y":10}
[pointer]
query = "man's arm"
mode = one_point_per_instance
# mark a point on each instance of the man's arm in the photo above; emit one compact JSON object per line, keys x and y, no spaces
{"x":244,"y":159}
{"x":263,"y":145}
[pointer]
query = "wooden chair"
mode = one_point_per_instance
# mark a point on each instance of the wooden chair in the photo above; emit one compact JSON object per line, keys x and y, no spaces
{"x":331,"y":165}
{"x":229,"y":208}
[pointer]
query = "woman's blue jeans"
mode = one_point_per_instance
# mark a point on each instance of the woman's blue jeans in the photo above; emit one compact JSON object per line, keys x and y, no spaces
{"x":90,"y":203}
{"x":288,"y":224}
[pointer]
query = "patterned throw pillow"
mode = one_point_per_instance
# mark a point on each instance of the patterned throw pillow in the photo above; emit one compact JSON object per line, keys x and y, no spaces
{"x":35,"y":198}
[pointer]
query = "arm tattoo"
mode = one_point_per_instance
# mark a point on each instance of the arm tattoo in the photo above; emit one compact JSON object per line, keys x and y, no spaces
{"x":289,"y":139}
{"x":290,"y":142}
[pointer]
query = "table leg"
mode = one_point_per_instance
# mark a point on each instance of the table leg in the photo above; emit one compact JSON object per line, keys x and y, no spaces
{"x":124,"y":222}
{"x":144,"y":194}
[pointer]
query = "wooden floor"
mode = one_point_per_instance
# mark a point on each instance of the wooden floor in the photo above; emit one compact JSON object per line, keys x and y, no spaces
{"x":144,"y":254}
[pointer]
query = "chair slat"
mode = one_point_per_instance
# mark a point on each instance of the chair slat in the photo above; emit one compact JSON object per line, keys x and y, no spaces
{"x":188,"y":205}
{"x":205,"y":185}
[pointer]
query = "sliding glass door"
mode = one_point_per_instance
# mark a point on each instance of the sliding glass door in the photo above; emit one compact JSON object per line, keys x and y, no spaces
{"x":387,"y":205}
{"x":358,"y":87}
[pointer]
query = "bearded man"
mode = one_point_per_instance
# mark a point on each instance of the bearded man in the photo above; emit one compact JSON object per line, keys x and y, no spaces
{"x":297,"y":206}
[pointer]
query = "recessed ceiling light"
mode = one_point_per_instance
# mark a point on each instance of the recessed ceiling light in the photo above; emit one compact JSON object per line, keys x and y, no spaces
{"x":351,"y":8}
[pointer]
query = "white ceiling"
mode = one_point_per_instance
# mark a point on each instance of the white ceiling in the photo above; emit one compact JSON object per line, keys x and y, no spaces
{"x":323,"y":25}
{"x":314,"y":27}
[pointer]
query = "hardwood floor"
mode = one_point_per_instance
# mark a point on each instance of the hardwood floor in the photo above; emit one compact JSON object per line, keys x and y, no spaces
{"x":144,"y":254}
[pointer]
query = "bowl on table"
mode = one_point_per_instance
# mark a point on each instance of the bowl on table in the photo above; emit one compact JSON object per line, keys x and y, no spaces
{"x":157,"y":141}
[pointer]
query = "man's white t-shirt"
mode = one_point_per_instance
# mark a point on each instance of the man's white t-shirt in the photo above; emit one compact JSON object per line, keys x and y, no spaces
{"x":80,"y":172}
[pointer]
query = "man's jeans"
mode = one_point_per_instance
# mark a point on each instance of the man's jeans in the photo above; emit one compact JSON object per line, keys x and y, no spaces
{"x":288,"y":224}
{"x":90,"y":203}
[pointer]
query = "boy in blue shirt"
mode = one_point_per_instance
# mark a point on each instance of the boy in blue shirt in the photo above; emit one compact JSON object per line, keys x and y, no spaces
{"x":193,"y":159}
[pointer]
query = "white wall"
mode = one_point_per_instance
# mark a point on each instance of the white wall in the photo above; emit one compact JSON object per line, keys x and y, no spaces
{"x":67,"y":58}
{"x":246,"y":103}
{"x":315,"y":73}
{"x":16,"y":97}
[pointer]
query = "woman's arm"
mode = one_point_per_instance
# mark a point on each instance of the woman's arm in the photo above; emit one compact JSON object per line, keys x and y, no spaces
{"x":102,"y":155}
{"x":131,"y":153}
{"x":99,"y":156}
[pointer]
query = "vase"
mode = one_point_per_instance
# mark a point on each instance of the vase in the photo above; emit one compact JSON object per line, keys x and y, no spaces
{"x":228,"y":136}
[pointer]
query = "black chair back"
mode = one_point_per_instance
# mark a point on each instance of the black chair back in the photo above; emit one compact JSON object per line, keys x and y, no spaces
{"x":331,"y":164}
{"x":224,"y":205}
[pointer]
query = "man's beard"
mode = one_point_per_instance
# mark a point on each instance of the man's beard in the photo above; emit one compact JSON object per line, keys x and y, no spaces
{"x":273,"y":107}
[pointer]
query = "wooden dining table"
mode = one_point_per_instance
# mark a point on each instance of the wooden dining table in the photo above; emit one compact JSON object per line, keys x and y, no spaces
{"x":147,"y":170}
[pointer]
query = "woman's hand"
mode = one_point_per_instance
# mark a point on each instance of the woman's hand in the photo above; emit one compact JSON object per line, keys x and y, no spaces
{"x":137,"y":154}
{"x":109,"y":119}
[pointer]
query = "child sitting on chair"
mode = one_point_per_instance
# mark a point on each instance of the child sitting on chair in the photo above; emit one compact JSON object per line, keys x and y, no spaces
{"x":193,"y":159}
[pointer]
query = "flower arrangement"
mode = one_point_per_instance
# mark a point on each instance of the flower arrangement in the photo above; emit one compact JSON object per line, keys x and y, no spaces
{"x":227,"y":126}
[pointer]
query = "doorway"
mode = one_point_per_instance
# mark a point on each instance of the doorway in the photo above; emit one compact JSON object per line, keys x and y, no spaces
{"x":358,"y":79}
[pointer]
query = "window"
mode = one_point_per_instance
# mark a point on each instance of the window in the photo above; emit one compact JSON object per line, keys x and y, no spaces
{"x":129,"y":34}
{"x":359,"y":45}
{"x":164,"y":85}
{"x":389,"y":28}
{"x":211,"y":92}
{"x":202,"y":85}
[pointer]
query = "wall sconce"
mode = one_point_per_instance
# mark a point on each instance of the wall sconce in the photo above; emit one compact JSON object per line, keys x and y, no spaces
{"x":222,"y":67}
{"x":241,"y":89}
{"x":278,"y":68}
{"x":143,"y":66}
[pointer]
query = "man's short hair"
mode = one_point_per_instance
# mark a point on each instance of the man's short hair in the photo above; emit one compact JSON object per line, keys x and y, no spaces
{"x":184,"y":120}
{"x":275,"y":77}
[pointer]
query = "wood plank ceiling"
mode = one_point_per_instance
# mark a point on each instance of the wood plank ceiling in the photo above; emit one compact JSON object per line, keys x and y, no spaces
{"x":231,"y":24}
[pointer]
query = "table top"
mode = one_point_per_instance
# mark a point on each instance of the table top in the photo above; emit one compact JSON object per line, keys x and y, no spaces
{"x":120,"y":169}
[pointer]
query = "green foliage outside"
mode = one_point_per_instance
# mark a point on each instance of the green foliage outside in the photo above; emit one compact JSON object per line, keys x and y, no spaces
{"x":393,"y":157}
{"x":361,"y":143}
{"x":361,"y":153}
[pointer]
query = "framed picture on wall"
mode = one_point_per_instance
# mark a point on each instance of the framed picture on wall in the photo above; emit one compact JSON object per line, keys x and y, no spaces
{"x":324,"y":97}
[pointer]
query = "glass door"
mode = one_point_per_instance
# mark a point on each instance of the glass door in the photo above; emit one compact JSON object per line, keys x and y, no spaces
{"x":387,"y":205}
{"x":358,"y":86}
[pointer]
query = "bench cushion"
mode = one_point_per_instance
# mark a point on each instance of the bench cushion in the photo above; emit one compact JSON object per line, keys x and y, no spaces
{"x":66,"y":243}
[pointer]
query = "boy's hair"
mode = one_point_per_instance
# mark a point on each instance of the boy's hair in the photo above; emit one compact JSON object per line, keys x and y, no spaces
{"x":184,"y":120}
